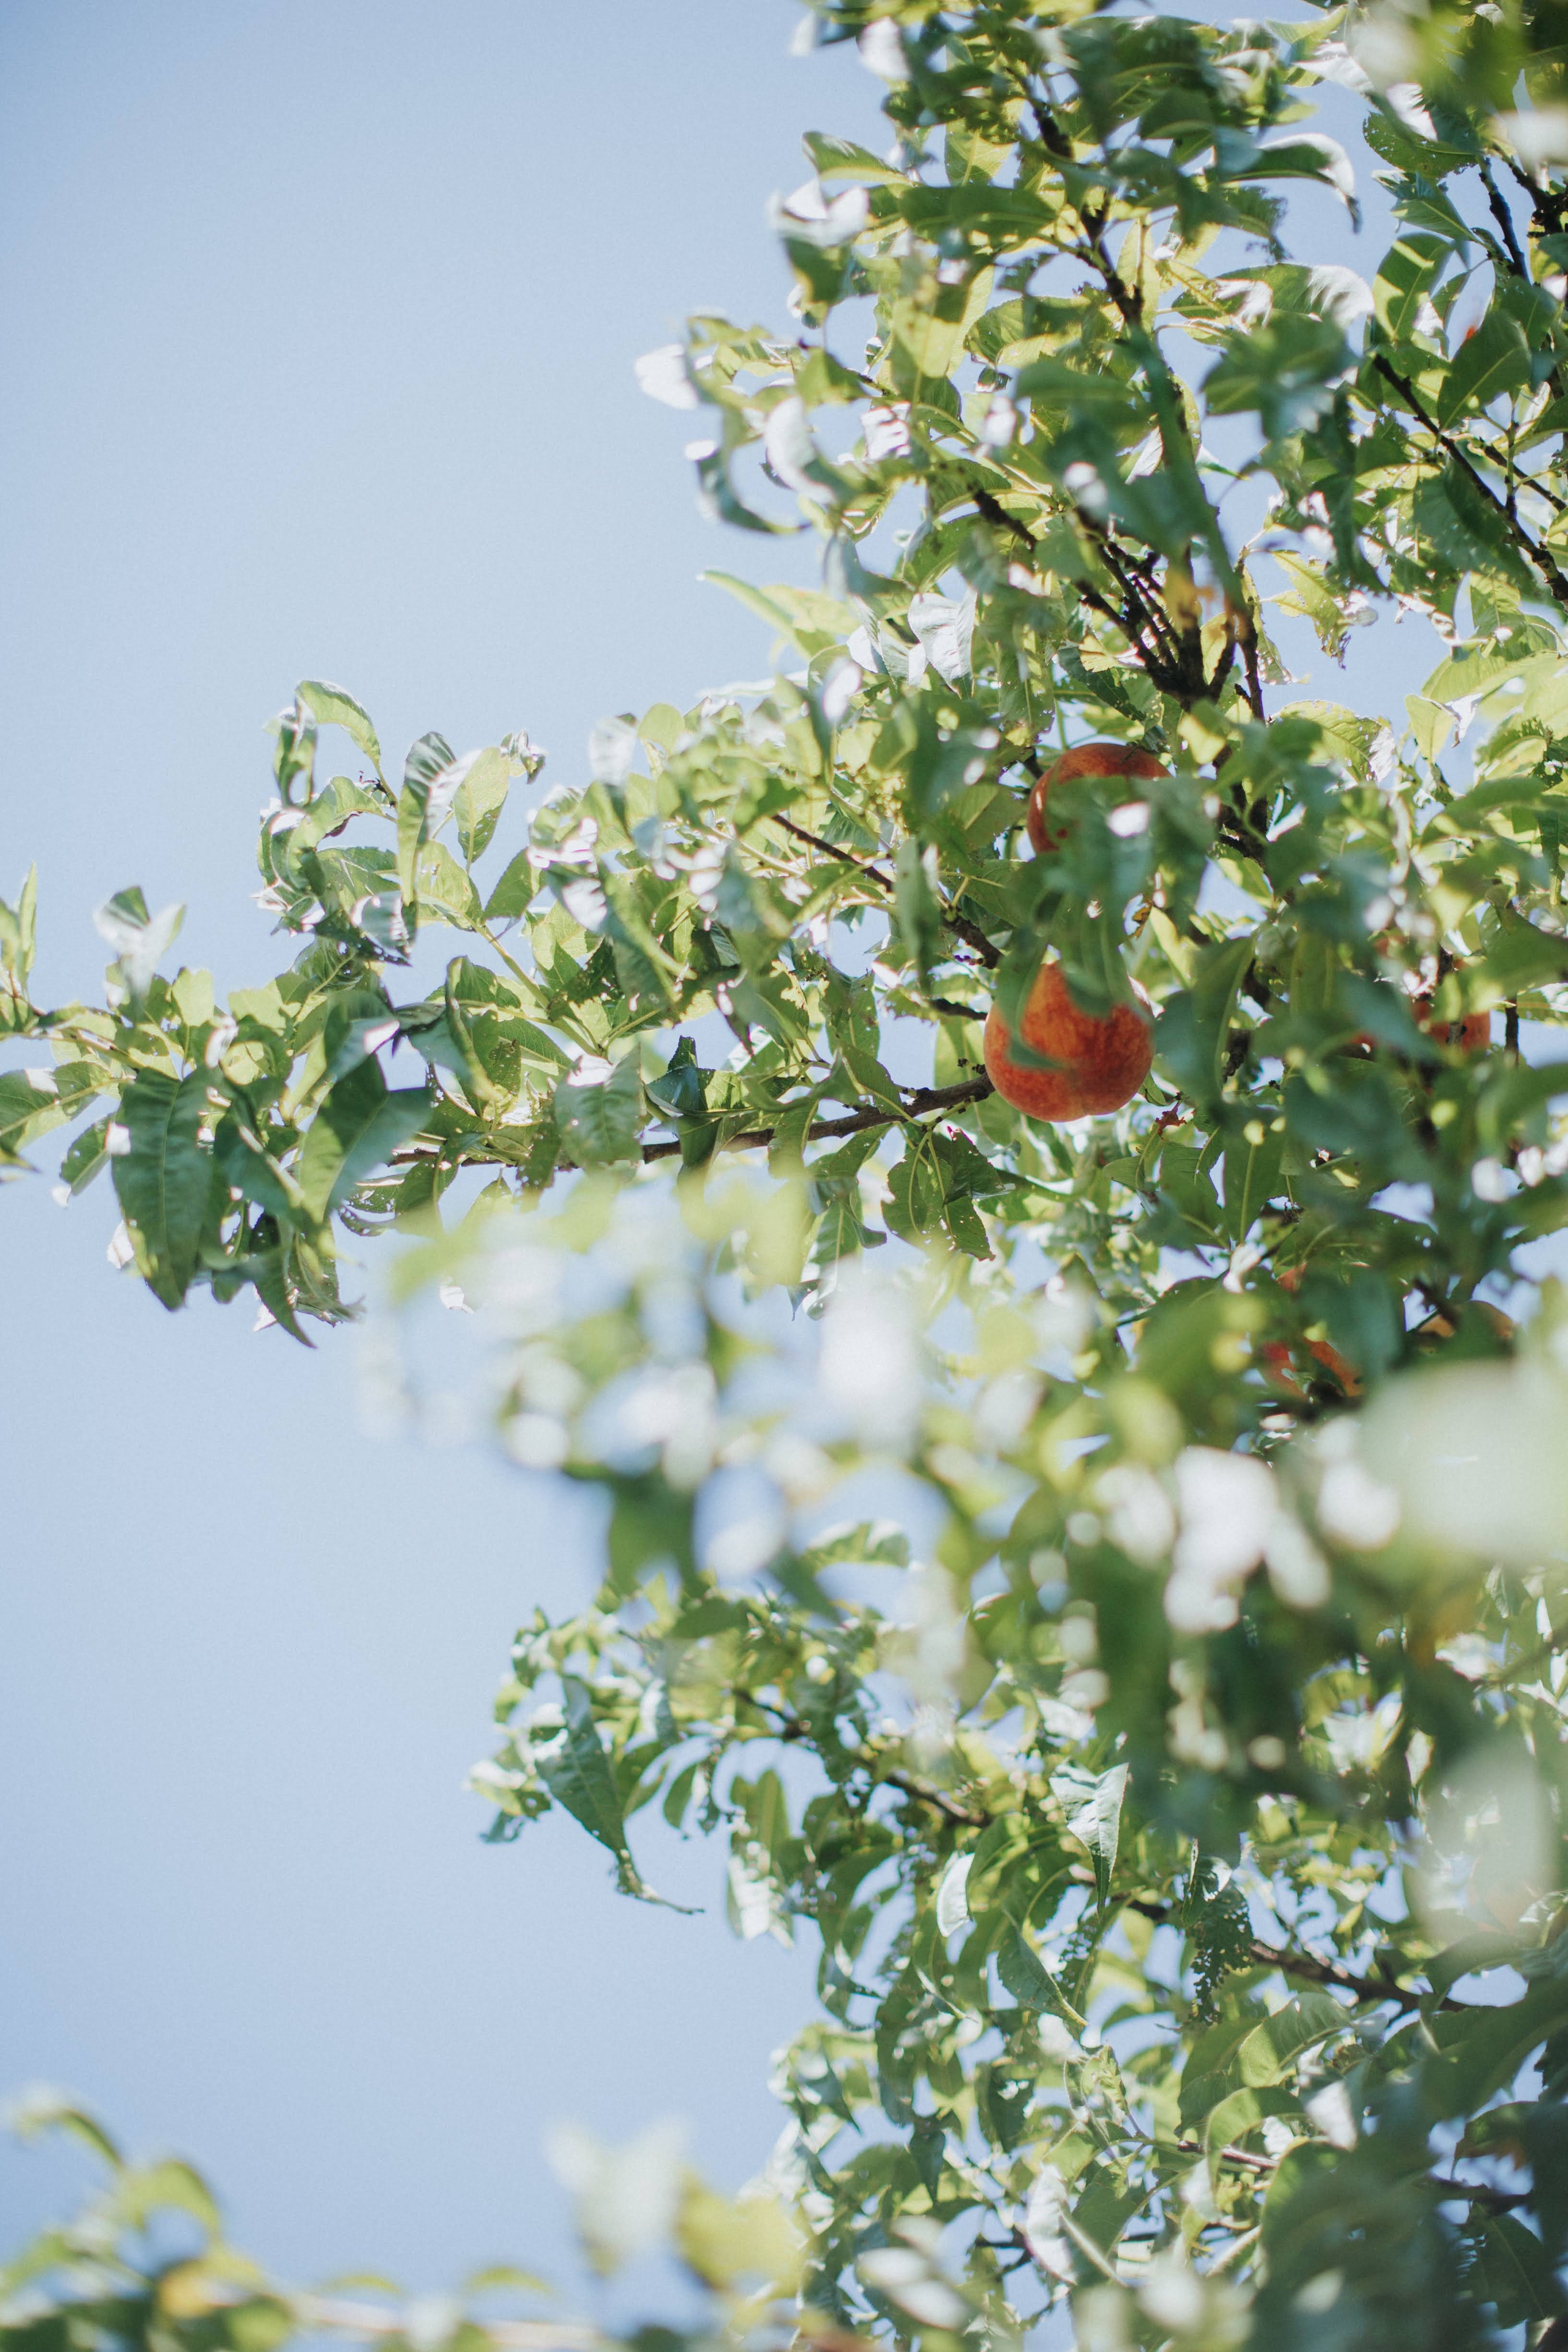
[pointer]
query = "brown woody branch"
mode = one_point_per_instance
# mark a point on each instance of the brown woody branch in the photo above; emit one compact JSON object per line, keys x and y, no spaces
{"x":335,"y":2315}
{"x":920,"y":1104}
{"x":1172,"y":657}
{"x":923,"y":1100}
{"x":1129,"y":300}
{"x":1495,"y":2200}
{"x":925,"y":1794}
{"x":961,"y":928}
{"x":1517,"y":263}
{"x":1504,"y":219}
{"x":833,"y":849}
{"x":1136,"y":613}
{"x":794,"y":1727}
{"x":1248,"y":636}
{"x":1242,"y":2156}
{"x":1053,"y":138}
{"x":1537,"y":556}
{"x":1309,"y":1969}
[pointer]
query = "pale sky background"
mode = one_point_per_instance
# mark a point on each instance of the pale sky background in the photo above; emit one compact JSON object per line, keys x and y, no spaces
{"x":320,"y":317}
{"x":320,"y":323}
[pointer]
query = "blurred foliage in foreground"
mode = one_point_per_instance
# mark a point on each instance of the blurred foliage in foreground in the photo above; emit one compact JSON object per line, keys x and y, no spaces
{"x":1105,"y":1583}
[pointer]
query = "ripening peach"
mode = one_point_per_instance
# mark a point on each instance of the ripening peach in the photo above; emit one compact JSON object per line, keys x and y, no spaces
{"x":1276,"y":1354}
{"x":1472,"y":1034}
{"x":1101,"y":1058}
{"x":1085,"y":760}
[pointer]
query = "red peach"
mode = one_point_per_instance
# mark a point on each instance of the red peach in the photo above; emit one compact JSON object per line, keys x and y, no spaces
{"x":1472,"y":1033}
{"x":1101,"y":1059}
{"x":1322,"y":1351}
{"x":1085,"y":760}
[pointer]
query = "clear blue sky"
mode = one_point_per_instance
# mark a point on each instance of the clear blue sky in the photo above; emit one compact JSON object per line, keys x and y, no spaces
{"x":320,"y":326}
{"x":321,"y":317}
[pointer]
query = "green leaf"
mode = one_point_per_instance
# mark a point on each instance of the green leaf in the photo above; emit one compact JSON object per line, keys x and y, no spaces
{"x":1516,"y":2272}
{"x":919,"y":909}
{"x":1405,"y":278}
{"x":139,"y":939}
{"x":1482,"y":2050}
{"x":1311,"y":593}
{"x":1466,"y":530}
{"x":249,"y":1169}
{"x":802,"y":617}
{"x":357,"y":1128}
{"x":576,"y":1772}
{"x":600,"y":1122}
{"x":1301,"y":155}
{"x":1093,"y":1802}
{"x":915,"y":1200}
{"x":429,"y":782}
{"x":515,"y":890}
{"x":30,"y":1106}
{"x":1272,"y":2048}
{"x":163,"y":1178}
{"x":329,"y":706}
{"x":578,"y":1776}
{"x":1284,"y":370}
{"x":1029,"y":1980}
{"x":444,"y":890}
{"x":1236,"y":2114}
{"x":18,"y":931}
{"x":1492,"y":359}
{"x":479,"y":801}
{"x":86,"y":1156}
{"x":1194,"y":1027}
{"x":929,"y":330}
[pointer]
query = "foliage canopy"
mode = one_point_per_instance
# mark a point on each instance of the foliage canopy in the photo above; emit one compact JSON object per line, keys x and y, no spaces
{"x":1106,"y":1583}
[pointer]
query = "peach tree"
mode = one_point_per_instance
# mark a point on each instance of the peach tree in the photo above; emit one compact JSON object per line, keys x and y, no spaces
{"x":1102,"y":1578}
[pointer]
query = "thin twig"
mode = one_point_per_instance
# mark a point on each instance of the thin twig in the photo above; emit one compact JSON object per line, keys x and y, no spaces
{"x":1460,"y":456}
{"x":959,"y":925}
{"x":794,"y":1727}
{"x":916,"y":1106}
{"x":938,"y":1798}
{"x":1310,"y":1968}
{"x":1241,"y":2156}
{"x":831,"y":849}
{"x":1497,"y":2200}
{"x":924,"y":1099}
{"x":1503,"y":219}
{"x":1248,"y":636}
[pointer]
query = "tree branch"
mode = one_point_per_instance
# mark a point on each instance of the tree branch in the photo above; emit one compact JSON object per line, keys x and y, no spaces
{"x":927,"y":1795}
{"x":923,"y":1100}
{"x":1504,"y":219}
{"x":920,"y":1104}
{"x":1161,"y":656}
{"x":1310,"y":1968}
{"x":1537,"y":556}
{"x":1495,"y":2200}
{"x":1247,"y":634}
{"x":368,"y":2319}
{"x":961,"y":928}
{"x":793,"y":1726}
{"x":831,"y":849}
{"x":1129,"y":300}
{"x":1243,"y":2155}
